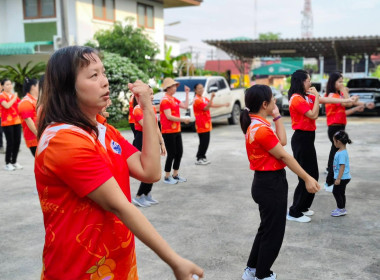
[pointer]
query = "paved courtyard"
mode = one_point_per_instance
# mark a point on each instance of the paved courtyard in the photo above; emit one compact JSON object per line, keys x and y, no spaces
{"x":212,"y":218}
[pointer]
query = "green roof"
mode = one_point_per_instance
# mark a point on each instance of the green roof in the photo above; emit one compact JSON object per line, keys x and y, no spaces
{"x":21,"y":48}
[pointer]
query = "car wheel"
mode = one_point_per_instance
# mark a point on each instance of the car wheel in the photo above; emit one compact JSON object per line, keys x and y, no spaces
{"x":235,"y":114}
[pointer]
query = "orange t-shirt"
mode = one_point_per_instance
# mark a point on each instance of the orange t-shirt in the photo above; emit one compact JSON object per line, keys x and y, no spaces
{"x":298,"y":106}
{"x":259,"y":139}
{"x":82,"y":240}
{"x":9,"y":116}
{"x":172,"y":103}
{"x":27,"y":109}
{"x":202,"y":118}
{"x":335,"y":113}
{"x":131,"y":118}
{"x":138,"y":115}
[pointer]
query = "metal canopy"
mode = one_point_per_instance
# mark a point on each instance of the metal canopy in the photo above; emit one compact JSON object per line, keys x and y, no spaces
{"x":336,"y":47}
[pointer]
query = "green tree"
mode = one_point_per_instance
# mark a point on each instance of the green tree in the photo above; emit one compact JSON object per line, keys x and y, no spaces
{"x":269,"y":36}
{"x":120,"y":71}
{"x":168,"y":65}
{"x":131,"y":42}
{"x":19,"y":73}
{"x":376,"y":73}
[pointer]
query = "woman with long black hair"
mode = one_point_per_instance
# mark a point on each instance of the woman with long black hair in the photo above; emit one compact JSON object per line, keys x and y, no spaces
{"x":304,"y":110}
{"x":268,"y":158}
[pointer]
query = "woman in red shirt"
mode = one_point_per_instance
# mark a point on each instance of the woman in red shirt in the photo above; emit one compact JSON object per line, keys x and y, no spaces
{"x":28,"y":114}
{"x":268,"y":158}
{"x":11,"y":124}
{"x":304,"y":110}
{"x":170,"y":119}
{"x":203,"y":123}
{"x":82,"y":173}
{"x":336,"y":117}
{"x":144,"y":197}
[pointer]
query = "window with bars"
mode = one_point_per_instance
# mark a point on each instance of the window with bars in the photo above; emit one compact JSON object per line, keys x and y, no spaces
{"x":104,"y":9}
{"x":145,"y":16}
{"x":39,"y":9}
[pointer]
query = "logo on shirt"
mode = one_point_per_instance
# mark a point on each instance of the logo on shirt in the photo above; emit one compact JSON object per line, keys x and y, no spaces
{"x":116,"y":147}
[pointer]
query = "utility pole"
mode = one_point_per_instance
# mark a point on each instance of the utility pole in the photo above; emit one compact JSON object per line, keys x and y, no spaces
{"x":65,"y":41}
{"x":307,"y":20}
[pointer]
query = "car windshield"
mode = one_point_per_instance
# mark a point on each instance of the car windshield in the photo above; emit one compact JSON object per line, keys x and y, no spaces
{"x":190,"y":83}
{"x":364,"y":83}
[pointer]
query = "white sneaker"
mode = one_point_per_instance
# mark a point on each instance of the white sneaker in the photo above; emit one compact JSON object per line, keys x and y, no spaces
{"x":170,"y":181}
{"x":17,"y":166}
{"x":328,"y":188}
{"x":273,"y":276}
{"x":249,"y":274}
{"x":200,"y":162}
{"x":302,"y":219}
{"x":179,"y":179}
{"x":308,"y":213}
{"x":9,"y":167}
{"x":150,"y":199}
{"x":205,"y":161}
{"x":140,"y":201}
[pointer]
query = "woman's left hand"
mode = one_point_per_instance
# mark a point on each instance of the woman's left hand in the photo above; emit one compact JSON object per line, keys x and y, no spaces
{"x":163,"y":149}
{"x":370,"y":105}
{"x":313,"y":91}
{"x":275,"y":112}
{"x":143,"y":92}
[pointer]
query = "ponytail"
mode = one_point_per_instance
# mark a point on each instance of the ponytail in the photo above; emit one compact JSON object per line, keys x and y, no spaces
{"x":245,"y":120}
{"x":342,"y":136}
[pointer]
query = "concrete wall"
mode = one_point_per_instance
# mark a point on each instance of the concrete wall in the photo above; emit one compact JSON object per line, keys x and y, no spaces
{"x":12,"y":27}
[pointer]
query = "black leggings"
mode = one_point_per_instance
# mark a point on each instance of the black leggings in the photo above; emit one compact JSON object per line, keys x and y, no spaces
{"x":13,"y":136}
{"x":331,"y":132}
{"x":305,"y":154}
{"x":339,"y":192}
{"x":270,"y":192}
{"x":173,"y":143}
{"x":204,"y":140}
{"x":144,"y":188}
{"x":33,"y":150}
{"x":1,"y":135}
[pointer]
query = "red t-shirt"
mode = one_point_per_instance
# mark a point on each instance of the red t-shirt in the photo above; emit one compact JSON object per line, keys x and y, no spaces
{"x":131,"y":118}
{"x":202,"y":118}
{"x":298,"y":106}
{"x":259,"y":139}
{"x":138,"y":115}
{"x":335,"y":113}
{"x":27,"y":109}
{"x":9,"y":116}
{"x":82,"y":240}
{"x":172,"y":103}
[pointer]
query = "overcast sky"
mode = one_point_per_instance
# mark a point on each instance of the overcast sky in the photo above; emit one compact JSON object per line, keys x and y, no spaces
{"x":225,"y":19}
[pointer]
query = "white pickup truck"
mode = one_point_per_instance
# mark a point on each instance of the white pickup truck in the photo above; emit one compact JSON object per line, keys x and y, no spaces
{"x":223,"y":95}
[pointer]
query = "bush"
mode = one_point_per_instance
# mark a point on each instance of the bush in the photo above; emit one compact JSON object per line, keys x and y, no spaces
{"x":120,"y":71}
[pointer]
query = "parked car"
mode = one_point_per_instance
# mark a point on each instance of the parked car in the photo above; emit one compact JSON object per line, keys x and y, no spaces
{"x":211,"y":84}
{"x":368,"y":90}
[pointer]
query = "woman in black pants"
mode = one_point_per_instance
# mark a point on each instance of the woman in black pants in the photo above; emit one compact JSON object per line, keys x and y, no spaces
{"x":171,"y":129}
{"x":144,"y":197}
{"x":11,"y":124}
{"x":268,"y":158}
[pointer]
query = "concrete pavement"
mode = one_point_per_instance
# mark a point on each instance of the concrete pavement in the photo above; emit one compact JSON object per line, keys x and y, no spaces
{"x":212,"y":218}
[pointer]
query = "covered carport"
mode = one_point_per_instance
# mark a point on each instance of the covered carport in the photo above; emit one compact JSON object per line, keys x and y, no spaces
{"x":338,"y":48}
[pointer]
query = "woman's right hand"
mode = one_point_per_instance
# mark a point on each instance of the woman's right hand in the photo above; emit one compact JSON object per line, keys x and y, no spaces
{"x":312,"y":185}
{"x":314,"y":91}
{"x":185,"y":269}
{"x":143,"y":92}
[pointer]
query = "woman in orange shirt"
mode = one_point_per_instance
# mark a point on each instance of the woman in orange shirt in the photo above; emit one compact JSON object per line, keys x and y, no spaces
{"x":28,"y":114}
{"x":170,"y":119}
{"x":267,"y":158}
{"x":144,"y":197}
{"x":11,"y":124}
{"x":304,"y":110}
{"x":203,"y":123}
{"x":336,"y":117}
{"x":82,"y":171}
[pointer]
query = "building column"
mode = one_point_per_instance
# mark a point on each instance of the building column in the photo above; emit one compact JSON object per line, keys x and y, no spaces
{"x":321,"y":65}
{"x":344,"y":65}
{"x":366,"y":56}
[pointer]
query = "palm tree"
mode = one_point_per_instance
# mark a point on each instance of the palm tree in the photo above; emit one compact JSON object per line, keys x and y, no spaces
{"x":18,"y":74}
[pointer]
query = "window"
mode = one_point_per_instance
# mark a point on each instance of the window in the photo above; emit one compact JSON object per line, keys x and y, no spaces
{"x":221,"y":84}
{"x":104,"y":9}
{"x":39,"y":9}
{"x":145,"y":16}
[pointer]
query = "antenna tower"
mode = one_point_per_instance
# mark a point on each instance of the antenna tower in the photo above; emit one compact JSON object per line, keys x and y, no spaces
{"x":307,"y":20}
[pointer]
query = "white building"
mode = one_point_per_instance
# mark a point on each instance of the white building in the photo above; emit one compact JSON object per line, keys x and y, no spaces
{"x":32,"y":28}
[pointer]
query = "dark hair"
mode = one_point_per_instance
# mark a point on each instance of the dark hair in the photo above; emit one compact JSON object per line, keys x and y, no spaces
{"x":342,"y":136}
{"x":197,"y":84}
{"x":135,"y":103}
{"x":330,"y":87}
{"x":4,"y":80}
{"x":254,"y":98}
{"x":59,"y":99}
{"x":296,"y":83}
{"x":28,"y":83}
